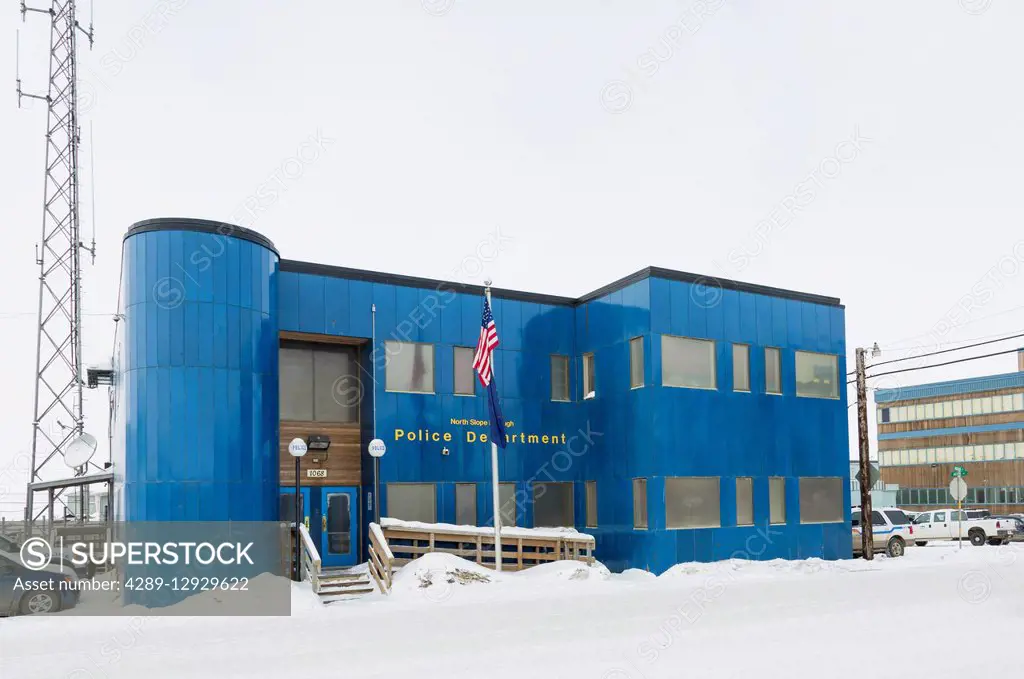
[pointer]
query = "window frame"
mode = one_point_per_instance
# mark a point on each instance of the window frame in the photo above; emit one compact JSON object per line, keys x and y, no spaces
{"x":313,"y":349}
{"x":590,"y":495}
{"x":433,"y":370}
{"x":714,"y":362}
{"x":473,"y":494}
{"x":800,"y":494}
{"x":746,"y":351}
{"x":589,"y":375}
{"x":472,"y":373}
{"x":636,"y":341}
{"x":432,"y":485}
{"x":718,"y":493}
{"x":796,"y":366}
{"x":561,"y":485}
{"x":640,"y":482}
{"x":749,"y":481}
{"x":785,"y":512}
{"x":777,"y":352}
{"x":564,"y":360}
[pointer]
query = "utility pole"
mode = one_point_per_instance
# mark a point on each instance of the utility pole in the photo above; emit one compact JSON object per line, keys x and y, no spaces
{"x":866,"y":530}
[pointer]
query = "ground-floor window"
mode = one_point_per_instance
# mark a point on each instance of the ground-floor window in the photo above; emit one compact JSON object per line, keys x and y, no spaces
{"x":412,"y":502}
{"x":821,"y":499}
{"x":465,"y":504}
{"x":591,"y":492}
{"x":508,"y":503}
{"x":692,"y":502}
{"x":552,"y":504}
{"x":744,"y":501}
{"x":640,"y":504}
{"x":777,"y":499}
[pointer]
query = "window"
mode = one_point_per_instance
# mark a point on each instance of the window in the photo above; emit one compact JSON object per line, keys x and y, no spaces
{"x":559,"y":378}
{"x":821,"y":499}
{"x":692,"y":502}
{"x":855,"y":517}
{"x":740,"y":367}
{"x":939,"y":517}
{"x":923,"y":518}
{"x":465,"y":504}
{"x":508,"y":504}
{"x":590,"y":489}
{"x":817,"y":375}
{"x":319,"y":383}
{"x":772,"y":371}
{"x":947,"y":409}
{"x":877,"y":519}
{"x":929,"y":411}
{"x":552,"y":505}
{"x":687,"y":362}
{"x":640,"y":503}
{"x":897,"y":517}
{"x":745,"y":501}
{"x":465,"y":380}
{"x":958,"y":408}
{"x":636,"y":362}
{"x":589,"y":388}
{"x":412,"y":502}
{"x":777,"y":499}
{"x":409,"y":367}
{"x":286,"y":506}
{"x":885,"y":415}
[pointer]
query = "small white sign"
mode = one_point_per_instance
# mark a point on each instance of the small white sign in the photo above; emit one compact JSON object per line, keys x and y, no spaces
{"x":377,"y":448}
{"x":316,"y":473}
{"x":958,"y":489}
{"x":297,"y":448}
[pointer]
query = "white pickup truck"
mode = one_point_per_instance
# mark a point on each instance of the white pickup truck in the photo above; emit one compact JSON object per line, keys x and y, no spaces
{"x":948,"y":524}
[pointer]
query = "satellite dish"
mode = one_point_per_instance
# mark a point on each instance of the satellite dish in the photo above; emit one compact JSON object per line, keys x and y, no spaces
{"x":80,"y":450}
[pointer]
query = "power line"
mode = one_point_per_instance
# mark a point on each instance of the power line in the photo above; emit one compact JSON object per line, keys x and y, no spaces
{"x":946,"y":351}
{"x":936,"y":365}
{"x":942,"y":351}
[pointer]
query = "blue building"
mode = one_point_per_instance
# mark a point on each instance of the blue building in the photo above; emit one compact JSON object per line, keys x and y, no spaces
{"x":673,"y":417}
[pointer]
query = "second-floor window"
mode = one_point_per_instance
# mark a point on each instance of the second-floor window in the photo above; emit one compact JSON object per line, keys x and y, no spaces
{"x":589,"y":383}
{"x":409,"y":367}
{"x":559,"y":378}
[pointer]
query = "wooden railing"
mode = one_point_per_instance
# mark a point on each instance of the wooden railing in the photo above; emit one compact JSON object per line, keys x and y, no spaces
{"x":381,"y":562}
{"x":520,"y":548}
{"x":310,"y":559}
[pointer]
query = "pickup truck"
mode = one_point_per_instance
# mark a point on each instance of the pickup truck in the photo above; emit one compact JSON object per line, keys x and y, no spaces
{"x":947,"y":524}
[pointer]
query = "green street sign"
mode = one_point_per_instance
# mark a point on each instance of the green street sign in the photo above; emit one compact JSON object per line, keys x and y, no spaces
{"x":959,"y":472}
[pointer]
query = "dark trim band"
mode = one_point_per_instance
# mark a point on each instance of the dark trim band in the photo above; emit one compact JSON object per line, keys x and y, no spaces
{"x":294,"y":266}
{"x":201,"y":226}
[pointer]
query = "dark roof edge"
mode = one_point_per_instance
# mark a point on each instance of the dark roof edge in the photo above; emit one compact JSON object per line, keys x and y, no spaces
{"x":201,"y":226}
{"x":296,"y":266}
{"x":726,"y":284}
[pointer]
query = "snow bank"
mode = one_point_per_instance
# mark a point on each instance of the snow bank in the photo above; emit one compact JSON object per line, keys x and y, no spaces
{"x":564,"y":570}
{"x":634,"y":575}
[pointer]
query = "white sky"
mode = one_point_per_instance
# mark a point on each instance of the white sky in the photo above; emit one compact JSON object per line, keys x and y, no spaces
{"x":550,"y":121}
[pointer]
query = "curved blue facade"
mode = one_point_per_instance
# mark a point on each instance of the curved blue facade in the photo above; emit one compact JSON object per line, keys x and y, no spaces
{"x":196,"y":398}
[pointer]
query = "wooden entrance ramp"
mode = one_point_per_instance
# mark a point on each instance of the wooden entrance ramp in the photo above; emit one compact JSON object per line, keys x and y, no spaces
{"x":395,"y":543}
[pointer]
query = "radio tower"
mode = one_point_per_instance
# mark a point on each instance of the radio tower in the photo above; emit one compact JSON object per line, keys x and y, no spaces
{"x":58,"y":416}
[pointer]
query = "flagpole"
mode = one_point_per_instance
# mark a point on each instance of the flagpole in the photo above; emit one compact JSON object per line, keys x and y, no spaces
{"x":498,"y":556}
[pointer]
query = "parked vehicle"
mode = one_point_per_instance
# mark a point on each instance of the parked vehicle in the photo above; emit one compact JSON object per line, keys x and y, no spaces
{"x":1018,"y":526}
{"x":61,"y":562}
{"x":891,"y":531}
{"x":949,"y":524}
{"x":27,"y":592}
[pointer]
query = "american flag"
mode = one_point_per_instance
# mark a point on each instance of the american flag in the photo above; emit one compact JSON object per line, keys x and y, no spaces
{"x":484,"y":358}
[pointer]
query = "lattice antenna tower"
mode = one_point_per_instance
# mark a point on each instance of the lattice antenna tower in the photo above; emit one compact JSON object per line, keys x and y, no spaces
{"x":58,"y":417}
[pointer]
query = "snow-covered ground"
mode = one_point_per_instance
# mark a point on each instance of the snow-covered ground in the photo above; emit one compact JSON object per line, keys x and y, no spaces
{"x":451,"y":618}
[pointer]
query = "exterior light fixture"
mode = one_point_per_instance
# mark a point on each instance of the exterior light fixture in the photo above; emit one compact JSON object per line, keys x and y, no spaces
{"x":318,"y":442}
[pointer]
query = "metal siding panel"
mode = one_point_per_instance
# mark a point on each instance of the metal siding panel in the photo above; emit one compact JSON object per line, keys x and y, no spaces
{"x":405,"y":305}
{"x":360,"y":294}
{"x":311,"y":304}
{"x":430,"y":315}
{"x":450,"y":317}
{"x":288,"y":301}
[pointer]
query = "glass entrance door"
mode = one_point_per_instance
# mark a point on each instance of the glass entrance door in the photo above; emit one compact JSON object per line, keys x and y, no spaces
{"x":339,"y":540}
